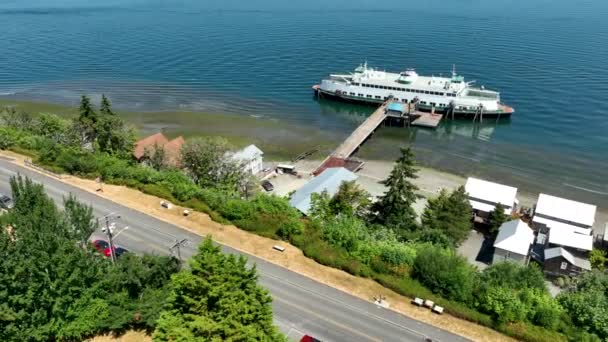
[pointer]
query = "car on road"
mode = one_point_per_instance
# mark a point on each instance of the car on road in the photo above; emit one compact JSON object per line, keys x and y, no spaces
{"x":308,"y":338}
{"x":6,"y":202}
{"x":267,"y":185}
{"x":103,"y":247}
{"x":100,"y":245}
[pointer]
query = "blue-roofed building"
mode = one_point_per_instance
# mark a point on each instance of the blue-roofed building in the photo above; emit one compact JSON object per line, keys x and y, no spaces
{"x":396,"y":108}
{"x":329,"y":181}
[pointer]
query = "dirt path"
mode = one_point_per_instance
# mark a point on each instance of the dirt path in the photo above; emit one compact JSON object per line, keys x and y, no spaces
{"x":292,"y":258}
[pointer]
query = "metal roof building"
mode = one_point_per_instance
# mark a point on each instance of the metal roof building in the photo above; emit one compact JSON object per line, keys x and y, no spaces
{"x":515,"y":236}
{"x":484,"y":195}
{"x":329,"y":181}
{"x":564,"y":214}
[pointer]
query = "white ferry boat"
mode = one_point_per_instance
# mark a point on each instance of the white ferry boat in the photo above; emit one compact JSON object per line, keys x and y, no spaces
{"x":441,"y":94}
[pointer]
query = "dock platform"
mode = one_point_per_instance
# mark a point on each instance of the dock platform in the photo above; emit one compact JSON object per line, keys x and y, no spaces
{"x":424,"y":119}
{"x":341,"y":156}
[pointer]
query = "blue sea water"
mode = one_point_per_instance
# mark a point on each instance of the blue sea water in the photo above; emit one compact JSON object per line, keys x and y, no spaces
{"x":549,"y":59}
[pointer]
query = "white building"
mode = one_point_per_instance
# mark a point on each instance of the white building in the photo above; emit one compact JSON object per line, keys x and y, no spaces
{"x":484,"y":196}
{"x":329,"y":181}
{"x":251,"y":157}
{"x":572,"y":239}
{"x":513,"y":242}
{"x":563,"y":214}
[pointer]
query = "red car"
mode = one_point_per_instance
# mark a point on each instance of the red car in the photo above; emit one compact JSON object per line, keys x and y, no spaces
{"x":308,"y":338}
{"x":103,"y":246}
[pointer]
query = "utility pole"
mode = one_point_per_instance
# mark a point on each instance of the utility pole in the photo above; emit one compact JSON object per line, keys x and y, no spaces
{"x":177,"y":245}
{"x":109,"y":229}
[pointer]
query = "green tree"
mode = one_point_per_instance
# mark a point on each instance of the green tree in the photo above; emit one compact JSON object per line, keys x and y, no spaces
{"x":350,"y":200}
{"x":217,"y":299}
{"x":113,"y":135}
{"x":496,"y":218}
{"x":450,"y":214}
{"x":597,"y":258}
{"x":156,"y":157}
{"x":586,"y":303}
{"x":56,"y":287}
{"x":210,"y":165}
{"x":394,"y":208}
{"x":446,"y":273}
{"x":86,"y":123}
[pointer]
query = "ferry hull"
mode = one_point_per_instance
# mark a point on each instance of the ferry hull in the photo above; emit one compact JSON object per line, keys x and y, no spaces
{"x":505,"y":110}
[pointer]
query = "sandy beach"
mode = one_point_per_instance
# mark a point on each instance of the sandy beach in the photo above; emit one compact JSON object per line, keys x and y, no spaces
{"x":430,"y":182}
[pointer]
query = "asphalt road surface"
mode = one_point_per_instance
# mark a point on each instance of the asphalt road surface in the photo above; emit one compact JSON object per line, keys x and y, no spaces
{"x":301,"y":305}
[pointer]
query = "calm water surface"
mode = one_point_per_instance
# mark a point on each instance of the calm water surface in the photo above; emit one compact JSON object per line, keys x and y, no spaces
{"x":548,"y":59}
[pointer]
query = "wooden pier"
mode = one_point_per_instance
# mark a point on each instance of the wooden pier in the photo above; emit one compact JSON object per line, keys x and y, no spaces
{"x":358,"y":137}
{"x":411,"y":116}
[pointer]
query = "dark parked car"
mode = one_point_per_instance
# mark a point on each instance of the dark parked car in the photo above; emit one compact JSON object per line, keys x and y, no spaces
{"x":267,"y":185}
{"x":6,"y":202}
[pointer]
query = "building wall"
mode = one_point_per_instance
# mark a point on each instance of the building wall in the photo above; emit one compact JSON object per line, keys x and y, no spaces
{"x":502,"y":255}
{"x":554,"y":267}
{"x":254,"y":166}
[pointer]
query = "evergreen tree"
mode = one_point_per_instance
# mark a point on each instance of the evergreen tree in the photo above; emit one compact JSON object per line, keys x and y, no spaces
{"x":217,"y":299}
{"x":394,"y":208}
{"x":113,"y":136}
{"x":87,"y":121}
{"x":105,"y":108}
{"x":450,"y":214}
{"x":496,"y":218}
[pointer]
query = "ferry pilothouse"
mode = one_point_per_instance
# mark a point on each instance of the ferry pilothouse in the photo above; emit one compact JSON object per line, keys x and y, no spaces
{"x":441,"y":94}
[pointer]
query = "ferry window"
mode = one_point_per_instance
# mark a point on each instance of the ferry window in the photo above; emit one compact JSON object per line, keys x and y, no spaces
{"x":360,"y":95}
{"x":369,"y":96}
{"x":386,"y":97}
{"x":423,"y":102}
{"x":378,"y":97}
{"x":396,"y":99}
{"x":352,"y":93}
{"x":426,"y":91}
{"x":442,"y":94}
{"x":404,"y":100}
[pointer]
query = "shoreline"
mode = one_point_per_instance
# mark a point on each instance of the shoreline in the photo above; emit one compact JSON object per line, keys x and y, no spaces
{"x":430,"y":181}
{"x":282,"y":141}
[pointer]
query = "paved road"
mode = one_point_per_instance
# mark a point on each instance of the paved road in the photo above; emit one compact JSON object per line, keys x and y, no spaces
{"x":301,"y":305}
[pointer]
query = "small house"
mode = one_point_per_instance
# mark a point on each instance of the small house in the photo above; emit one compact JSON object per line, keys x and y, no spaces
{"x":484,"y":196}
{"x":559,"y":261}
{"x":553,"y":213}
{"x":148,"y":143}
{"x":172,"y":148}
{"x":251,"y":157}
{"x":330,"y":181}
{"x":513,"y":242}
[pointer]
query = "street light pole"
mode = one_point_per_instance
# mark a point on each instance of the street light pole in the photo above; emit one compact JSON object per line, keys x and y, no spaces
{"x":109,"y":233}
{"x":177,"y":245}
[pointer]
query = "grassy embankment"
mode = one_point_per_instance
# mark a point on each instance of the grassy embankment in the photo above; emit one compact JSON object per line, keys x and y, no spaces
{"x":279,"y":140}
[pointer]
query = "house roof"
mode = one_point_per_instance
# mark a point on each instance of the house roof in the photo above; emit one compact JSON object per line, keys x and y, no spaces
{"x":514,"y":236}
{"x":248,"y":153}
{"x":571,"y":238}
{"x":565,"y":210}
{"x":173,"y":150}
{"x":484,"y":195}
{"x":148,"y":142}
{"x":329,"y":181}
{"x":555,"y":252}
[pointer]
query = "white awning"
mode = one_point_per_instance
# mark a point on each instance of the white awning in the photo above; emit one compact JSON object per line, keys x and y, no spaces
{"x":565,"y":210}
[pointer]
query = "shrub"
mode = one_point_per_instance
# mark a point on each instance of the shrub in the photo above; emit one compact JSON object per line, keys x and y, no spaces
{"x":158,"y":191}
{"x":445,"y":273}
